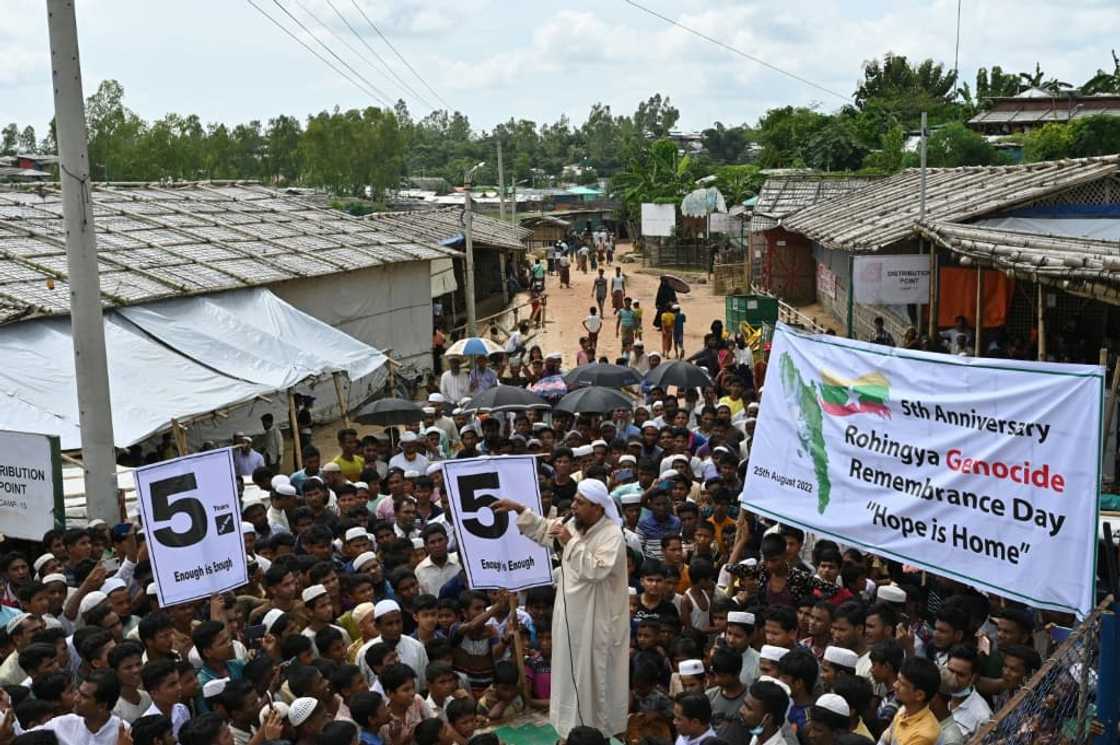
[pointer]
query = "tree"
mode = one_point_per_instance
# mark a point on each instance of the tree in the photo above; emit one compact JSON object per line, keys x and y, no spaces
{"x":282,"y":162}
{"x":737,"y":183}
{"x":834,"y":147}
{"x":27,"y":141}
{"x":726,"y":144}
{"x":1104,"y":82}
{"x":907,"y":90}
{"x":1033,"y":79}
{"x":9,"y":139}
{"x":1095,"y":135}
{"x":655,"y":116}
{"x":957,"y":145}
{"x":785,"y":133}
{"x":890,"y":156}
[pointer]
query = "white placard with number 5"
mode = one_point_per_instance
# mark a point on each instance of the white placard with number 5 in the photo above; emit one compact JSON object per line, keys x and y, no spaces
{"x":192,"y":522}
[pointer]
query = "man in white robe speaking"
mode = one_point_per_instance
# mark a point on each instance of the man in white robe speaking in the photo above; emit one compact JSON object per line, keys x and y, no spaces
{"x":591,"y":618}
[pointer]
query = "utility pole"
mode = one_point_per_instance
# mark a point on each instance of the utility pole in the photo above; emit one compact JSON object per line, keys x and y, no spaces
{"x":468,"y":272}
{"x":501,"y":185}
{"x":933,"y":288}
{"x":87,"y":328}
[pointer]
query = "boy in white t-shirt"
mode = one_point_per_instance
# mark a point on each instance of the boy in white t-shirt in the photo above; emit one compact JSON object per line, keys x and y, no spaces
{"x":593,"y":323}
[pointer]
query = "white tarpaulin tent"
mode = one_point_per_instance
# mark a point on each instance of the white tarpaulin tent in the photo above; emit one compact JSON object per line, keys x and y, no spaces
{"x":255,"y":336}
{"x":189,"y":357}
{"x":1102,"y":229}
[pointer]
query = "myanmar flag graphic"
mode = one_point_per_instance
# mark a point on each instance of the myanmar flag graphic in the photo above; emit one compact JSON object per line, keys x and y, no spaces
{"x":866,"y":394}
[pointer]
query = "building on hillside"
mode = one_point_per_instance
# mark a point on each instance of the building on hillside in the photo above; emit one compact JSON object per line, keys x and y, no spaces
{"x":1048,"y":230}
{"x":159,"y":241}
{"x":781,"y":261}
{"x":1035,"y":107}
{"x":499,"y":251}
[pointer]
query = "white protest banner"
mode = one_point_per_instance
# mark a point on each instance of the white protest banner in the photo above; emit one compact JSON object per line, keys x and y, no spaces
{"x":30,"y":484}
{"x":891,"y":280}
{"x":192,"y":522}
{"x":491,"y":549}
{"x":983,"y":470}
{"x":658,"y":219}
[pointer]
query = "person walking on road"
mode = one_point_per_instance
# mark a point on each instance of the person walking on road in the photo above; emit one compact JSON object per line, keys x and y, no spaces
{"x":618,"y":289}
{"x":599,"y":290}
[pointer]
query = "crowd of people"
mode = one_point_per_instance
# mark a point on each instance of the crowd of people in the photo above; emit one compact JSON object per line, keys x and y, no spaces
{"x":357,"y":624}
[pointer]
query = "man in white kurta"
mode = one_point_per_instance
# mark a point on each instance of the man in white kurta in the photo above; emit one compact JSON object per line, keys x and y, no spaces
{"x":590,"y":621}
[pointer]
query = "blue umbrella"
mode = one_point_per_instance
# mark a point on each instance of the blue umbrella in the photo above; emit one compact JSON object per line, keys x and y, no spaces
{"x":473,"y":346}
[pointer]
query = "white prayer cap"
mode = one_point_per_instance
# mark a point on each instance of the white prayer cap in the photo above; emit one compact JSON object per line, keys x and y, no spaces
{"x":741,"y":617}
{"x":457,"y":412}
{"x":385,"y":607}
{"x":842,"y":657}
{"x":691,"y":667}
{"x":112,"y":585}
{"x":312,"y":592}
{"x":214,"y":687}
{"x":251,"y":502}
{"x":96,"y":523}
{"x":669,"y":473}
{"x":679,"y":459}
{"x":428,"y":409}
{"x":834,"y":703}
{"x":301,"y":710}
{"x":361,"y":611}
{"x":772,"y":653}
{"x":752,"y":406}
{"x":649,"y":425}
{"x":582,"y":451}
{"x":361,"y":485}
{"x":408,"y":436}
{"x":15,"y":621}
{"x":595,"y":491}
{"x":363,"y":559}
{"x":658,"y":406}
{"x":56,"y":577}
{"x":465,"y":429}
{"x":554,"y":356}
{"x":279,"y":479}
{"x":464,"y":400}
{"x":631,"y":498}
{"x":891,"y":594}
{"x":433,"y":469}
{"x":751,"y":562}
{"x":279,"y":707}
{"x":433,"y":431}
{"x":435,"y":398}
{"x":540,"y":426}
{"x":91,"y":600}
{"x":43,"y":560}
{"x":271,"y":618}
{"x":627,"y":459}
{"x":658,"y":355}
{"x":417,"y":542}
{"x":151,"y":589}
{"x":285,"y":490}
{"x":780,"y":683}
{"x":632,"y":591}
{"x":247,"y":527}
{"x":331,"y":467}
{"x":336,"y":544}
{"x":533,"y":441}
{"x":355,"y":533}
{"x":721,"y":447}
{"x":412,"y":474}
{"x":599,"y":444}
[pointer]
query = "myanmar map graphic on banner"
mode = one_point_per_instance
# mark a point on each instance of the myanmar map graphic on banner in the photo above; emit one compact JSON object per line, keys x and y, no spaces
{"x":984,"y":470}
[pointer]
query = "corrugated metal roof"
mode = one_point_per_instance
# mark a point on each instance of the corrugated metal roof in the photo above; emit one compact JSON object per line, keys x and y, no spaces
{"x":163,"y":241}
{"x":439,"y":225}
{"x":887,"y":211}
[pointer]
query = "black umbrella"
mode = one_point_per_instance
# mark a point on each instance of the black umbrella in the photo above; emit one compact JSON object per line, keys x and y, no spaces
{"x":598,"y":373}
{"x":506,"y":398}
{"x":594,"y":399}
{"x":389,"y":411}
{"x":679,"y":373}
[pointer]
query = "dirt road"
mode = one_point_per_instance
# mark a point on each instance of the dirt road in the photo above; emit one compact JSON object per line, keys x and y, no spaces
{"x":568,"y":307}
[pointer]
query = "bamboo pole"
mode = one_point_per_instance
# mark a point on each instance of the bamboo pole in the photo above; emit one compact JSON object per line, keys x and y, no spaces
{"x":1041,"y":325}
{"x":342,"y":408}
{"x":180,"y":436}
{"x":293,"y":422}
{"x":979,"y":309}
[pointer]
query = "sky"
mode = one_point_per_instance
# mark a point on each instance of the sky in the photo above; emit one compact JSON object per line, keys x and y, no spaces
{"x":496,"y":59}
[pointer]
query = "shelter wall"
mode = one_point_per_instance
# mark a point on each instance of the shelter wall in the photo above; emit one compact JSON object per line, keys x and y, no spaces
{"x":788,"y":269}
{"x":388,"y":307}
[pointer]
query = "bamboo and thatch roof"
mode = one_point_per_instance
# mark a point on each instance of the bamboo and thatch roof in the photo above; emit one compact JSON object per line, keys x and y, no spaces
{"x":787,"y":192}
{"x":445,"y":226}
{"x":1083,"y":266}
{"x":157,"y":241}
{"x":887,"y":211}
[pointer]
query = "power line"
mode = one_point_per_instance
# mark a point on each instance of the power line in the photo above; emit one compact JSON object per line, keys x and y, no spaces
{"x":384,"y":64}
{"x":380,"y":95}
{"x":400,"y":56}
{"x":739,"y":52}
{"x":322,"y":59}
{"x":957,"y":46}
